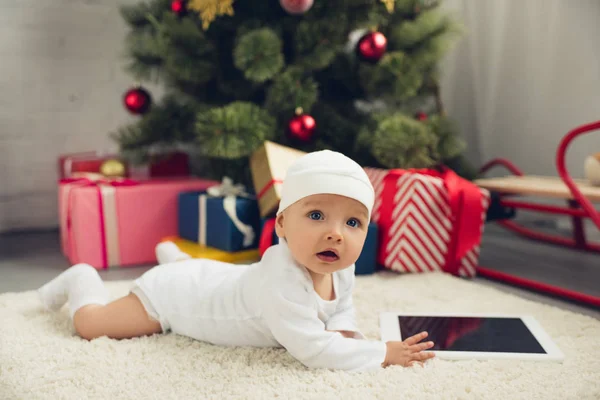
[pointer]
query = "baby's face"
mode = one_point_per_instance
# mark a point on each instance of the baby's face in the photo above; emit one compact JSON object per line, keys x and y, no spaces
{"x":324,"y":232}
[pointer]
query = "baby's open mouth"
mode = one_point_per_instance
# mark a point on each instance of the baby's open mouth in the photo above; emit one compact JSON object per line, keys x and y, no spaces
{"x":327,"y":256}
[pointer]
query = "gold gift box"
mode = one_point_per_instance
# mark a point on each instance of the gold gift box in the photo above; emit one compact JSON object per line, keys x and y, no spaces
{"x":268,"y":165}
{"x":196,"y":250}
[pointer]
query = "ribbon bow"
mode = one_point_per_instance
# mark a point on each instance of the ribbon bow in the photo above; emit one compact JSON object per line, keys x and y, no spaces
{"x":227,"y":188}
{"x":230,"y":191}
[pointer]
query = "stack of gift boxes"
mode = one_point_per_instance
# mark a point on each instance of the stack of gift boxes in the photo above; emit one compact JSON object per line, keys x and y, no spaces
{"x":110,"y":216}
{"x":423,"y":220}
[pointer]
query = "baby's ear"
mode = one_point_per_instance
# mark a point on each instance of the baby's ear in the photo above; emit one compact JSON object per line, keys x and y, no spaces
{"x":279,"y":226}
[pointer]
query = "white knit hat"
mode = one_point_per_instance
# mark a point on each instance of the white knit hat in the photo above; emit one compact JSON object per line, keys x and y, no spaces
{"x":326,"y":172}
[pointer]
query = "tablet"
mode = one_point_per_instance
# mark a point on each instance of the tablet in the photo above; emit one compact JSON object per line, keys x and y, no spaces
{"x":474,"y":336}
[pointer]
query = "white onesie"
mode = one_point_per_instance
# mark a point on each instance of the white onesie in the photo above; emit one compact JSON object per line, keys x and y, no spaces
{"x":270,"y":303}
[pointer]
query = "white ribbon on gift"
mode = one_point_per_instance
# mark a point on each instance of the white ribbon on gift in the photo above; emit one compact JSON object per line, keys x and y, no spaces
{"x":229,"y":191}
{"x":108,"y":209}
{"x":111,"y":229}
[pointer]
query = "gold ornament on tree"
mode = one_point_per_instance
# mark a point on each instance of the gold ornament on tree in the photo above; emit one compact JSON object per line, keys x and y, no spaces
{"x":211,"y":9}
{"x":389,"y":4}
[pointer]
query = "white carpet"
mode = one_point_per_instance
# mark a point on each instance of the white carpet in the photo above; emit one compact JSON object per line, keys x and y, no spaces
{"x":41,"y":359}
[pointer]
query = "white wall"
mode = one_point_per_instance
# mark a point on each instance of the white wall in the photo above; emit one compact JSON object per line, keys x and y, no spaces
{"x":61,"y":82}
{"x":526,"y":73}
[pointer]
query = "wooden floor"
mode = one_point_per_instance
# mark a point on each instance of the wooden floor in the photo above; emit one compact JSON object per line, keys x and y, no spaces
{"x":27,"y":260}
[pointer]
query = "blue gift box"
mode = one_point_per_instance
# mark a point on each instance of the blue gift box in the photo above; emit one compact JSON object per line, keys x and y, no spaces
{"x":205,"y":219}
{"x":367,"y":261}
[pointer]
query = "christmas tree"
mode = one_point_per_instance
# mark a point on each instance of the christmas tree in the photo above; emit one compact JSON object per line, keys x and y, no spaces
{"x":356,"y":76}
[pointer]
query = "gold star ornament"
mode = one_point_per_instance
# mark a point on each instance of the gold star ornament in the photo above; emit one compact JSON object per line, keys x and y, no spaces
{"x":389,"y":4}
{"x":211,"y":9}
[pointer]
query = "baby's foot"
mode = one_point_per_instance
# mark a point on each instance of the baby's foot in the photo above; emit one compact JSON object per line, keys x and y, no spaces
{"x":54,"y":294}
{"x":168,"y":252}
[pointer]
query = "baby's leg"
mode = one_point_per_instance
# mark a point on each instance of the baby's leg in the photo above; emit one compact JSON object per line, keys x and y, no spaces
{"x":122,"y":319}
{"x":92,"y":316}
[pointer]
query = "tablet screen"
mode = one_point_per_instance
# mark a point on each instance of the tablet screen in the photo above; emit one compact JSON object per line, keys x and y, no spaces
{"x":506,"y":335}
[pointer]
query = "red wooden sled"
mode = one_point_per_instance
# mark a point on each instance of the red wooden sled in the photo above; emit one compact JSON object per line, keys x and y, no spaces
{"x":579,"y":196}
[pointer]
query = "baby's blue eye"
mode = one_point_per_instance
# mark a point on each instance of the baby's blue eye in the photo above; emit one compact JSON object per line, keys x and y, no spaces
{"x":316,"y":215}
{"x":353,"y":222}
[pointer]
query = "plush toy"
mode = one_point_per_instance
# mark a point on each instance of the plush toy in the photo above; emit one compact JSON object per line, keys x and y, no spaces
{"x":592,"y":169}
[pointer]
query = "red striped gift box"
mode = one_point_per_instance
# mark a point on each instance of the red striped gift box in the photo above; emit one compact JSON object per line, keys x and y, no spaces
{"x":429,"y":220}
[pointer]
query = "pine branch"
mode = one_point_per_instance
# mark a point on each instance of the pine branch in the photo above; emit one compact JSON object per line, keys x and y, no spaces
{"x":441,"y":34}
{"x":290,"y":90}
{"x":409,"y":34}
{"x":233,"y":131}
{"x":449,"y":144}
{"x":429,"y":53}
{"x":258,"y":54}
{"x":318,"y":42}
{"x":335,"y":130}
{"x":401,"y":142}
{"x":136,"y":16}
{"x":393,"y":76}
{"x":167,"y":122}
{"x":186,"y":36}
{"x":144,"y":55}
{"x":188,"y":53}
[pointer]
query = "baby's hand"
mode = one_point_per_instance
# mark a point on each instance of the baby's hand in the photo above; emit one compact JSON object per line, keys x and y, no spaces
{"x":408,"y":352}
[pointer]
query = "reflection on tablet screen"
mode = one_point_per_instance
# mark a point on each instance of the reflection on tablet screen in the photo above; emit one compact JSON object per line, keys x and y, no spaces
{"x":506,"y":335}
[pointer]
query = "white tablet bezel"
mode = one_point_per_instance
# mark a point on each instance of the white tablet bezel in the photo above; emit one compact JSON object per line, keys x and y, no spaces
{"x":390,"y":331}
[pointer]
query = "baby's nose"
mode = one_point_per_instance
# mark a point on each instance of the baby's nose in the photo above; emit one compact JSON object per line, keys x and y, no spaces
{"x":335,"y":235}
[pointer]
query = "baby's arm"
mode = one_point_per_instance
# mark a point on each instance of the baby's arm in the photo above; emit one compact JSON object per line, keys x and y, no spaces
{"x":344,"y":320}
{"x":295,"y":325}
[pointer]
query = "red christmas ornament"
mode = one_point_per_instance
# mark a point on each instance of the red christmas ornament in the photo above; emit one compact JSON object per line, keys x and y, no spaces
{"x":296,"y":6}
{"x":137,"y":100}
{"x":302,"y":126}
{"x":421,"y":116}
{"x":178,"y":7}
{"x":371,"y":47}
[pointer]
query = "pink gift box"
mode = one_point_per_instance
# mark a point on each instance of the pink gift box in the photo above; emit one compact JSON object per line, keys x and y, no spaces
{"x":107,"y":223}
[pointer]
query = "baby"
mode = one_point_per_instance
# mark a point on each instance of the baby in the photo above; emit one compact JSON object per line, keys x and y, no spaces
{"x":298,"y":296}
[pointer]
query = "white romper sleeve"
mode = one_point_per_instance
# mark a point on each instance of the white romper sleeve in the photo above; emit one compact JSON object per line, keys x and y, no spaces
{"x":344,"y":317}
{"x":291,"y":315}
